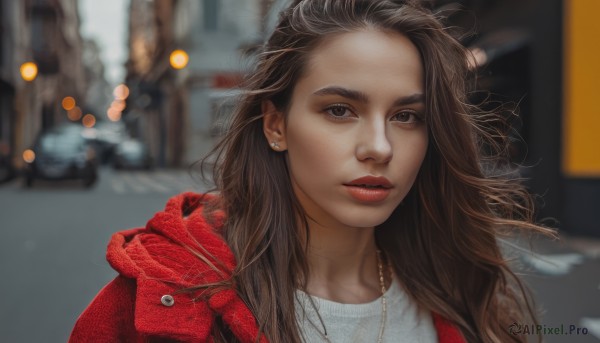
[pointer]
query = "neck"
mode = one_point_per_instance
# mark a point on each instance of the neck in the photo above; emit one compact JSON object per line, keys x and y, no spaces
{"x":342,"y":264}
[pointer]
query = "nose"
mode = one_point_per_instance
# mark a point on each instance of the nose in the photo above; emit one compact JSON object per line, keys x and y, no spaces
{"x":373,"y":143}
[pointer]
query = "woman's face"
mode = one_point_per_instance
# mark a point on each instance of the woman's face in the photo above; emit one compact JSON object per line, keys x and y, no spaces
{"x":358,"y":110}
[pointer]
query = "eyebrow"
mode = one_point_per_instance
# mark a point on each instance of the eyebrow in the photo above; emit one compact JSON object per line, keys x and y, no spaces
{"x":362,"y":97}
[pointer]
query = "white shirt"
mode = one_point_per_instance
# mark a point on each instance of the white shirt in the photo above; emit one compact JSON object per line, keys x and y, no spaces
{"x":361,"y":322}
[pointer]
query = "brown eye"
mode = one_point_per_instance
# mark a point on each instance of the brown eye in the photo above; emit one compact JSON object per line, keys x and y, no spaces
{"x":406,"y":117}
{"x":337,"y":111}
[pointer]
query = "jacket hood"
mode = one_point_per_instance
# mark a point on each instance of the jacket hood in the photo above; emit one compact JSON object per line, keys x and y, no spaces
{"x":180,"y":248}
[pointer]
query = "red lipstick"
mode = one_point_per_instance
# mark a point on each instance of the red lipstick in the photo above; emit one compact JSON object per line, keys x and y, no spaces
{"x":369,"y":188}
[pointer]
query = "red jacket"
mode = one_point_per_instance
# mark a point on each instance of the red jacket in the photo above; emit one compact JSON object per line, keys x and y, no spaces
{"x":154,"y":262}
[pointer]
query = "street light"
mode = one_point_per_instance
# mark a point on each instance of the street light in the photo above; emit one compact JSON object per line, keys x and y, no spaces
{"x":68,"y":103}
{"x":113,"y":114}
{"x":28,"y":156}
{"x":29,"y":71}
{"x":179,"y":59}
{"x":89,"y":120}
{"x":121,"y":92}
{"x":74,"y":114}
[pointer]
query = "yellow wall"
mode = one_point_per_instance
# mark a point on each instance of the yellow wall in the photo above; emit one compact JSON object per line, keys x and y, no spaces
{"x":581,"y":115}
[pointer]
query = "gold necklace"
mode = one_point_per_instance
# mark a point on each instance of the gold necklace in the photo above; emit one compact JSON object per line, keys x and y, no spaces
{"x":383,"y":305}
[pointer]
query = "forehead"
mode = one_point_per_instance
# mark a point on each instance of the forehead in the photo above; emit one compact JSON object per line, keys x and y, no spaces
{"x":367,"y":60}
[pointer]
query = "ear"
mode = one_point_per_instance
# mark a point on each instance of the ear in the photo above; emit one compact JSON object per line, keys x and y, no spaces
{"x":274,"y":126}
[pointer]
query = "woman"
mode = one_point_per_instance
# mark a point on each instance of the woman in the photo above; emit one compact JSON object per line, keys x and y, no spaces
{"x":352,"y":203}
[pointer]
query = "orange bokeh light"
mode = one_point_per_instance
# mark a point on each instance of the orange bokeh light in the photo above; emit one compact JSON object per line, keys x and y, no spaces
{"x":119,"y":105}
{"x":121,"y":92}
{"x":88,"y":120}
{"x":179,"y":59}
{"x":29,"y":71}
{"x":68,"y":103}
{"x":74,"y":113}
{"x":113,"y":114}
{"x":28,"y":155}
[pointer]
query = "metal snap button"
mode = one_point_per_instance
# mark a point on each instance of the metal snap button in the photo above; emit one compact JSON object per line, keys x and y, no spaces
{"x":167,"y":300}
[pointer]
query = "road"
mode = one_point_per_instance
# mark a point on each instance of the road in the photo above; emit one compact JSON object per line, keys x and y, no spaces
{"x":564,"y":277}
{"x":52,"y":255}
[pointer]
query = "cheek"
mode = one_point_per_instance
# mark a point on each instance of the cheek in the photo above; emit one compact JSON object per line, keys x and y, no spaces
{"x":418,"y":148}
{"x":315,"y":153}
{"x":310,"y":149}
{"x":418,"y":156}
{"x":409,"y":155}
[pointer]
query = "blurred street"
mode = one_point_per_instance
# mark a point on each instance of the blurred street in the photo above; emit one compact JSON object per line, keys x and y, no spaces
{"x":52,"y":253}
{"x":565,"y":279}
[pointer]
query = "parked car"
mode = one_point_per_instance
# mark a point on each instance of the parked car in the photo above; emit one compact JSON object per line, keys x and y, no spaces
{"x":107,"y":135}
{"x":61,"y":154}
{"x":132,"y":154}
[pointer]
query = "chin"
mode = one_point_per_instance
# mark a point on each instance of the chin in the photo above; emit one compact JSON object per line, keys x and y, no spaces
{"x":373,"y":215}
{"x":365,"y":220}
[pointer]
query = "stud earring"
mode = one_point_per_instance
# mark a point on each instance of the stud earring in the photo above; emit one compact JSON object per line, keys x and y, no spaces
{"x":275,"y":145}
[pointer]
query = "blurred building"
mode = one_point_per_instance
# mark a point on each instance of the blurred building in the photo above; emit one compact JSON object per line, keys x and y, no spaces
{"x":142,"y":115}
{"x":519,"y":48}
{"x":543,"y":56}
{"x":174,"y":110}
{"x":9,"y":82}
{"x":98,"y":92}
{"x":46,"y":33}
{"x":272,"y":8}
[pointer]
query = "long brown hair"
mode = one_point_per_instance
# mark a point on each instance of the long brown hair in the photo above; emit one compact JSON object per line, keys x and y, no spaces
{"x":441,"y":241}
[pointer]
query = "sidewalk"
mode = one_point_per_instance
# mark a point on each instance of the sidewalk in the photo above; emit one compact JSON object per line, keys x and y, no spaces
{"x":564,"y":276}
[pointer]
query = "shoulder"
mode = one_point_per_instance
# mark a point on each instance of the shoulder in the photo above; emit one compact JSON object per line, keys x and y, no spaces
{"x":154,"y":264}
{"x":179,"y":248}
